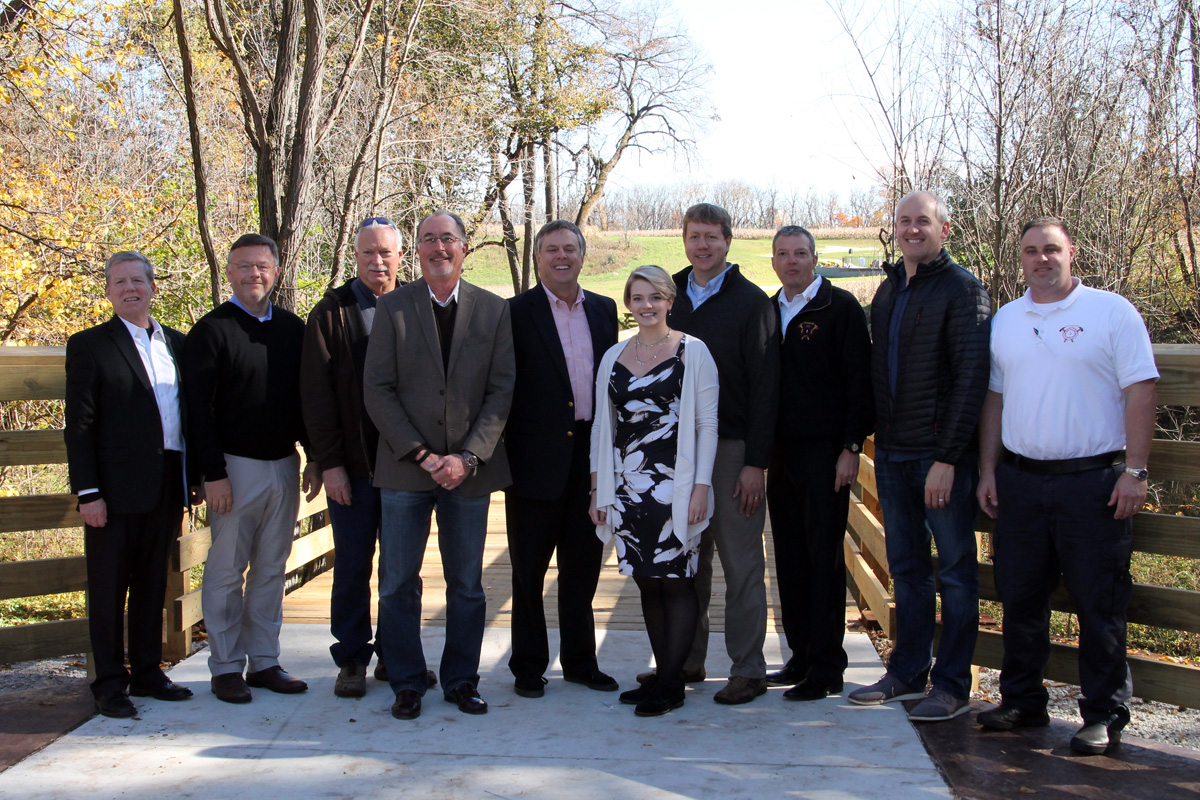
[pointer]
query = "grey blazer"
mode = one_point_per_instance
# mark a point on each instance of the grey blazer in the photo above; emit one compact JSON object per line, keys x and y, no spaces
{"x":413,"y":401}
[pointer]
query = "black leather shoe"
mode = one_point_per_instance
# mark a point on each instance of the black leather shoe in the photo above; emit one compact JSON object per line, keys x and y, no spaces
{"x":275,"y":679}
{"x":530,"y":687}
{"x":169,"y":691}
{"x":1095,"y":739}
{"x":808,"y":689}
{"x":635,"y":696}
{"x":660,"y":702}
{"x":467,"y":698}
{"x":689,"y":676}
{"x":1005,"y":718}
{"x":230,"y":687}
{"x":116,"y":706}
{"x":407,"y":705}
{"x":593,"y":679}
{"x":784,"y":677}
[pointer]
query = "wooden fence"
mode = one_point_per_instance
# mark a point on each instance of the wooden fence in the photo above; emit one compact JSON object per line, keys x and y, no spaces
{"x":1162,"y":534}
{"x":37,"y":373}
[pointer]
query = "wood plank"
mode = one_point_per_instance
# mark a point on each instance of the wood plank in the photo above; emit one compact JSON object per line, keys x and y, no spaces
{"x":38,"y":512}
{"x":866,"y":475}
{"x":23,"y":448}
{"x":32,"y":373}
{"x":872,"y":591}
{"x":192,"y":549}
{"x":44,"y":640}
{"x":42,"y":576}
{"x":1166,"y":535}
{"x":1179,"y":371}
{"x":1174,"y":461}
{"x":1156,"y":606}
{"x":869,"y":531}
{"x":1163,"y":681}
{"x":187,"y":610}
{"x":309,"y":548}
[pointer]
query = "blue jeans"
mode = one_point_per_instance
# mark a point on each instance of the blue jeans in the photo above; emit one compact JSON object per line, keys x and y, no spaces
{"x":462,"y":528}
{"x":355,"y":529}
{"x":909,"y":525}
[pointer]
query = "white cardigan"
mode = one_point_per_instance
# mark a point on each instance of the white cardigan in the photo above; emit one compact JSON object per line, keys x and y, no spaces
{"x":696,"y":440}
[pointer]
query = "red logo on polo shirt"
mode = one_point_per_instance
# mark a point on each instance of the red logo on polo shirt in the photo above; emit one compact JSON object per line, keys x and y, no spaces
{"x":807,"y":329}
{"x":1070,"y":332}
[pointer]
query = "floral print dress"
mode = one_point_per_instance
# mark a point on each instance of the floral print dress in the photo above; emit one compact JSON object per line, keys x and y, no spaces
{"x":647,"y":421}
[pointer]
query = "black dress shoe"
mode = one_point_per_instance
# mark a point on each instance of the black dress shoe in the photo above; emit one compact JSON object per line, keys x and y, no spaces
{"x":784,"y":677}
{"x":275,"y":679}
{"x":660,"y":701}
{"x":1005,"y":718}
{"x":689,"y":676}
{"x":467,"y":699}
{"x":1097,"y":738}
{"x":381,"y":674}
{"x":230,"y":687}
{"x":530,"y":687}
{"x":808,"y":689}
{"x":407,"y":705}
{"x":593,"y":679}
{"x":169,"y":691}
{"x":116,"y":706}
{"x":635,"y":696}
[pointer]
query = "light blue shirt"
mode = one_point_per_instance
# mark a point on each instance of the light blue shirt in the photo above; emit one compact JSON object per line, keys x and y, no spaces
{"x":234,"y":299}
{"x":698,"y":294}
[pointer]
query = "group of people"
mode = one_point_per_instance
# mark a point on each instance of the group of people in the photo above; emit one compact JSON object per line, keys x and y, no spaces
{"x":426,"y":397}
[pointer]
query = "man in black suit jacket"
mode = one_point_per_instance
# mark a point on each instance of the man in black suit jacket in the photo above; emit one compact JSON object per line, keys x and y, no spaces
{"x":560,"y":333}
{"x":124,"y":436}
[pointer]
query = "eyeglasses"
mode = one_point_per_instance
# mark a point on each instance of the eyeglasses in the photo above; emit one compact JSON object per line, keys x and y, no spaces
{"x":381,"y":222}
{"x":430,"y":241}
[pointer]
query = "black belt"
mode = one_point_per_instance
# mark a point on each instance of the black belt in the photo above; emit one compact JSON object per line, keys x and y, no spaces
{"x":1064,"y":466}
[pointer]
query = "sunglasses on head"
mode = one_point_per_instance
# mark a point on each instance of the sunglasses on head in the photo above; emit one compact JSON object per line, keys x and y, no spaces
{"x":370,"y":222}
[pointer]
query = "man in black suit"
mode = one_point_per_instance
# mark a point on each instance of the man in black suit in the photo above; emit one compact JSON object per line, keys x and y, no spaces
{"x":124,"y":436}
{"x":560,"y":333}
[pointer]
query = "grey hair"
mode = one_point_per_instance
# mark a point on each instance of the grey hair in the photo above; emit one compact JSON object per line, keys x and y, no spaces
{"x":941,"y":211}
{"x":656,"y":276}
{"x":795,"y":230}
{"x":122,"y":256}
{"x":441,"y":212}
{"x":559,"y":225}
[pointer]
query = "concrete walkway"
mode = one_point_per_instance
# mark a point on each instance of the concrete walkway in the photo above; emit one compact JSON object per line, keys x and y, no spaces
{"x":573,"y":743}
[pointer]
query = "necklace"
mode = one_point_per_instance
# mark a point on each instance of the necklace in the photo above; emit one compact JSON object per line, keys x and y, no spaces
{"x":637,"y":346}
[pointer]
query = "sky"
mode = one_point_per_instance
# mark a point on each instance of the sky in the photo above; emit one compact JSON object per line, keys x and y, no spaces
{"x":783,"y":83}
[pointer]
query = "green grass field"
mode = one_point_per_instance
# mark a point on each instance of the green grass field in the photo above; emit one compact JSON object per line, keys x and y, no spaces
{"x":611,"y":257}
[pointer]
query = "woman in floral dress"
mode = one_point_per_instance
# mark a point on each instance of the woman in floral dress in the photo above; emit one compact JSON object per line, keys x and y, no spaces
{"x":653,"y":444}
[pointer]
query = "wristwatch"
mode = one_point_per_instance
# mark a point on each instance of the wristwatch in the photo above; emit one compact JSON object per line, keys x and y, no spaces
{"x":470,"y":460}
{"x":853,"y":447}
{"x":1141,"y":474}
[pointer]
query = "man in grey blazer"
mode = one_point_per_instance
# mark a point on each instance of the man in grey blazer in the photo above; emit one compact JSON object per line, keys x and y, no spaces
{"x":438,"y":383}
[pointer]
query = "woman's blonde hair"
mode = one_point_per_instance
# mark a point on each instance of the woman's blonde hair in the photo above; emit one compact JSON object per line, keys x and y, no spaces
{"x":654,"y":275}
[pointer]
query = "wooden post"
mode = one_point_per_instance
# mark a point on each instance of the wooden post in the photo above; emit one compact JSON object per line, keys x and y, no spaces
{"x":177,"y":640}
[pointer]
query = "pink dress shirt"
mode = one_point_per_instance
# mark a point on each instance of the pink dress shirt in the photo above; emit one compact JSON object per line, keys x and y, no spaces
{"x":576,"y":337}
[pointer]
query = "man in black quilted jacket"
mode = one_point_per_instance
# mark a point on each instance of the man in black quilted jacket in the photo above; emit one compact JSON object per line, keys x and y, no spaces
{"x":930,"y":322}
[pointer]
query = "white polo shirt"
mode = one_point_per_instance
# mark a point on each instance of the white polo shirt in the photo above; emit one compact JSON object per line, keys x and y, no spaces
{"x":1061,"y":368}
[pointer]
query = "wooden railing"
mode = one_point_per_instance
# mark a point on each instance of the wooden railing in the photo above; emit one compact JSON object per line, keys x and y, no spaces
{"x":37,"y":373}
{"x":1162,"y":534}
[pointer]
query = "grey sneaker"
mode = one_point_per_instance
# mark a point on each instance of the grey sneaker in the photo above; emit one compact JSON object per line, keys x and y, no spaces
{"x":939,"y":706}
{"x":885,"y":690}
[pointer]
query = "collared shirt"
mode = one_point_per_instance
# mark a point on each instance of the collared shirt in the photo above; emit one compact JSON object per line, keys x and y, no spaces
{"x":366,"y":303}
{"x":453,"y":295}
{"x":234,"y":299}
{"x":788,"y":309}
{"x":697,"y":293}
{"x":576,"y":339}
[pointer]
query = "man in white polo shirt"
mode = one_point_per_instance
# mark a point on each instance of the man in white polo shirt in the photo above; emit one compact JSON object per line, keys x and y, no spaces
{"x":1072,"y":399}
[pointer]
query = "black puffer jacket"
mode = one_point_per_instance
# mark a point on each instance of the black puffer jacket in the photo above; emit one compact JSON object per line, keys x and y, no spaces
{"x":944,"y":360}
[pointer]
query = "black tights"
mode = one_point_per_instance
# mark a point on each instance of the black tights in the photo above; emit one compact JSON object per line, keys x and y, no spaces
{"x":670,"y":608}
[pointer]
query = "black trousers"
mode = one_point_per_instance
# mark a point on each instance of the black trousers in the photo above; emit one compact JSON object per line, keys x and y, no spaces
{"x":129,"y":555}
{"x":536,"y":528}
{"x":1061,"y":525}
{"x":808,"y":524}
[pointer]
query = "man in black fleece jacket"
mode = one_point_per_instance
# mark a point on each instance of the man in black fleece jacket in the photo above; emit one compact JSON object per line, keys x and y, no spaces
{"x":930,"y":321}
{"x":718,"y":305}
{"x":242,"y":365}
{"x":826,"y":410}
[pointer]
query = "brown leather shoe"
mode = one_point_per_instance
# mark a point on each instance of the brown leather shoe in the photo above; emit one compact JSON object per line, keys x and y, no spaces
{"x":230,"y":687}
{"x":275,"y":679}
{"x":741,"y":690}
